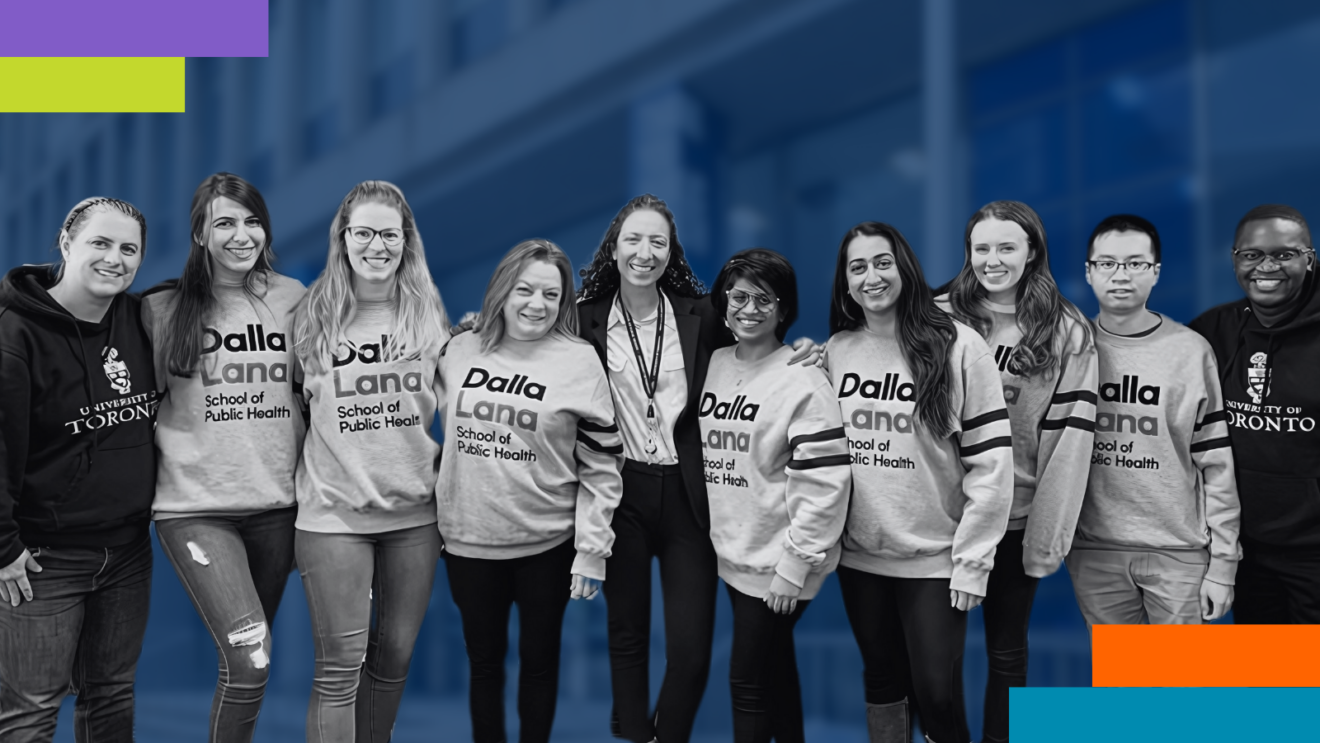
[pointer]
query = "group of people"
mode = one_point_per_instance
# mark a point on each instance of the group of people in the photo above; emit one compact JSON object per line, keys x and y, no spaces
{"x":945,"y":449}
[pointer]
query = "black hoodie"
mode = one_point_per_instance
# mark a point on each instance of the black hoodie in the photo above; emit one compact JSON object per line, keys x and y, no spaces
{"x":77,"y":408}
{"x":1272,"y":401}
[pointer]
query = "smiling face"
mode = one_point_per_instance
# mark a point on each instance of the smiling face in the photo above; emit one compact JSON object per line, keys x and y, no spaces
{"x":375,"y":262}
{"x":642,"y":250}
{"x":102,"y":258}
{"x":1000,"y":254}
{"x":533,"y":306}
{"x":873,"y":278}
{"x":1122,"y":291}
{"x":753,"y":322}
{"x":1270,"y":283}
{"x":234,"y":239}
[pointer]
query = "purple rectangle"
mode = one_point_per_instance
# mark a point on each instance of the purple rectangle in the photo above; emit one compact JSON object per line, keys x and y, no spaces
{"x":134,"y":28}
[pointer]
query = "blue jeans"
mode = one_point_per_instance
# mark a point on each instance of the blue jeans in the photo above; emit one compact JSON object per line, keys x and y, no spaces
{"x":82,"y":633}
{"x":234,"y":569}
{"x":348,"y":579}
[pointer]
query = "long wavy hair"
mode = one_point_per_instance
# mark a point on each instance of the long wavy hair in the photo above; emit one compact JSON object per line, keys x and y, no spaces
{"x":329,"y":305}
{"x":925,"y":333}
{"x":490,"y":323}
{"x":194,"y":300}
{"x":601,"y":277}
{"x":1041,"y":308}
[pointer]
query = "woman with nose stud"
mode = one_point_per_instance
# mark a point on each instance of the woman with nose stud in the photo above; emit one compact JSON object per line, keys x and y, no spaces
{"x":225,"y":507}
{"x":77,"y":405}
{"x":778,"y":480}
{"x":654,"y":329}
{"x":368,"y":333}
{"x":528,"y":483}
{"x":932,"y":481}
{"x":1047,"y":361}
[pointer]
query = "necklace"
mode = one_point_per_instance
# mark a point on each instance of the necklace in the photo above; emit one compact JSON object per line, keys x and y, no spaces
{"x":649,"y":381}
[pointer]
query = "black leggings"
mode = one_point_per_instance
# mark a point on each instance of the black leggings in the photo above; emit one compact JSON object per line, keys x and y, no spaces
{"x":484,"y":590}
{"x":763,"y":674}
{"x":1007,"y":611}
{"x":910,"y":637}
{"x":655,"y":519}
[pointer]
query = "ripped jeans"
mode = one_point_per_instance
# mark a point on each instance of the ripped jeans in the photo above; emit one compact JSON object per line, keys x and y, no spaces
{"x":234,"y":569}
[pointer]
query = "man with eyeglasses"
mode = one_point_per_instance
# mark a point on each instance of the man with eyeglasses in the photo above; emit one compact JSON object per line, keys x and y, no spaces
{"x":1157,"y":538}
{"x":1268,"y":348}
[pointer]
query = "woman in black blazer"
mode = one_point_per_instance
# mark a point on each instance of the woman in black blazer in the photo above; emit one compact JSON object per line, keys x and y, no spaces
{"x":654,"y":328}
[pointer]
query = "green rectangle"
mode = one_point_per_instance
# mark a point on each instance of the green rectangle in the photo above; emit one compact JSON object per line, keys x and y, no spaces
{"x":92,"y":84}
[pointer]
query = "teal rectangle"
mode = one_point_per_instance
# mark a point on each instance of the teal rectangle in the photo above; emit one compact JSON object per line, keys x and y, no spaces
{"x":1086,"y":715}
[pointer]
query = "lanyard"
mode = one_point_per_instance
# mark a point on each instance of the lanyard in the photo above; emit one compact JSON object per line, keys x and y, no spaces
{"x":648,"y":381}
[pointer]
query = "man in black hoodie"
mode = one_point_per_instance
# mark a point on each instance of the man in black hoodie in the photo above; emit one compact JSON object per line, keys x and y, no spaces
{"x":1267,"y":346}
{"x":77,"y":404}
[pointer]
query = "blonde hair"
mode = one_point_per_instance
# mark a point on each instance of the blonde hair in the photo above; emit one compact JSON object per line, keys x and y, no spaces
{"x":490,"y":325}
{"x":329,"y":305}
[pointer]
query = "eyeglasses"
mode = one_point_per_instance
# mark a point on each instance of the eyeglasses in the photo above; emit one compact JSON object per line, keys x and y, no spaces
{"x":738,"y":299}
{"x":1252,"y":256}
{"x":1132,"y":267}
{"x":391,"y":236}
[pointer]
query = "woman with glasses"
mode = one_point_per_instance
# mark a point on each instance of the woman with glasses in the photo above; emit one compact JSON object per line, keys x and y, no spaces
{"x":368,"y":334}
{"x":528,"y":484}
{"x":77,"y":405}
{"x":229,"y":434}
{"x":1267,"y":345}
{"x":778,"y":478}
{"x":1047,"y":362}
{"x":654,"y":329}
{"x":932,"y":481}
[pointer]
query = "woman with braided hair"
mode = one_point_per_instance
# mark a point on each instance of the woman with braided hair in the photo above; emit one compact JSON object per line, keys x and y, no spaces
{"x":77,"y":404}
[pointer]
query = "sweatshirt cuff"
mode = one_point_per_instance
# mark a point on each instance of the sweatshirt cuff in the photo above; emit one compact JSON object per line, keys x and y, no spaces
{"x":1221,"y":571}
{"x":793,"y":569}
{"x":15,"y":549}
{"x":591,"y":566}
{"x":1039,"y":565}
{"x":968,"y":580}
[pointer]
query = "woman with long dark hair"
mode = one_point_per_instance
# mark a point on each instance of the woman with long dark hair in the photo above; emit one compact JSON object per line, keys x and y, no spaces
{"x":653,"y":327}
{"x":525,"y":494}
{"x":932,"y":481}
{"x":77,"y":404}
{"x":1045,"y":351}
{"x":229,"y":433}
{"x":368,"y":333}
{"x":778,"y":479}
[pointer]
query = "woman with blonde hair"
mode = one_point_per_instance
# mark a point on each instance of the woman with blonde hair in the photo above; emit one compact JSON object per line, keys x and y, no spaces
{"x":528,"y":483}
{"x":368,"y":335}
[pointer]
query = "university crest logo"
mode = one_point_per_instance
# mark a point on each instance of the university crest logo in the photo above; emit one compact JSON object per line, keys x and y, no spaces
{"x":116,"y":371}
{"x":1258,"y":377}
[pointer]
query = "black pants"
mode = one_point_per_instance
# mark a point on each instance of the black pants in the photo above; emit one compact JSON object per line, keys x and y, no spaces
{"x":910,"y":637}
{"x":1277,"y":587}
{"x":1007,"y":610}
{"x":763,"y":674}
{"x":484,"y":590}
{"x":655,"y":519}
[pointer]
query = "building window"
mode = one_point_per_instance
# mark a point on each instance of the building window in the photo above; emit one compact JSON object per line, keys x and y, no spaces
{"x":479,"y":27}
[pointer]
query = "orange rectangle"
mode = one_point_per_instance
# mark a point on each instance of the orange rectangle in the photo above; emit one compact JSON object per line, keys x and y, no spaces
{"x":1205,"y":655}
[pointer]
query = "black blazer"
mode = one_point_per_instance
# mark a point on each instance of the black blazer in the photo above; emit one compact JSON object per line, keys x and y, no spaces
{"x":700,"y":332}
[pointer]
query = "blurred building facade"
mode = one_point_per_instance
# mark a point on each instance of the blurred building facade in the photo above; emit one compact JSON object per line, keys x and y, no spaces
{"x":775,"y":123}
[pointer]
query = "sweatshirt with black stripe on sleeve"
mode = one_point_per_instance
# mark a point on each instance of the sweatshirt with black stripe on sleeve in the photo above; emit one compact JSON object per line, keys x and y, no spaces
{"x":532,"y":452}
{"x":1162,"y":472}
{"x":1052,"y":415}
{"x":776,"y":463}
{"x":923,"y":507}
